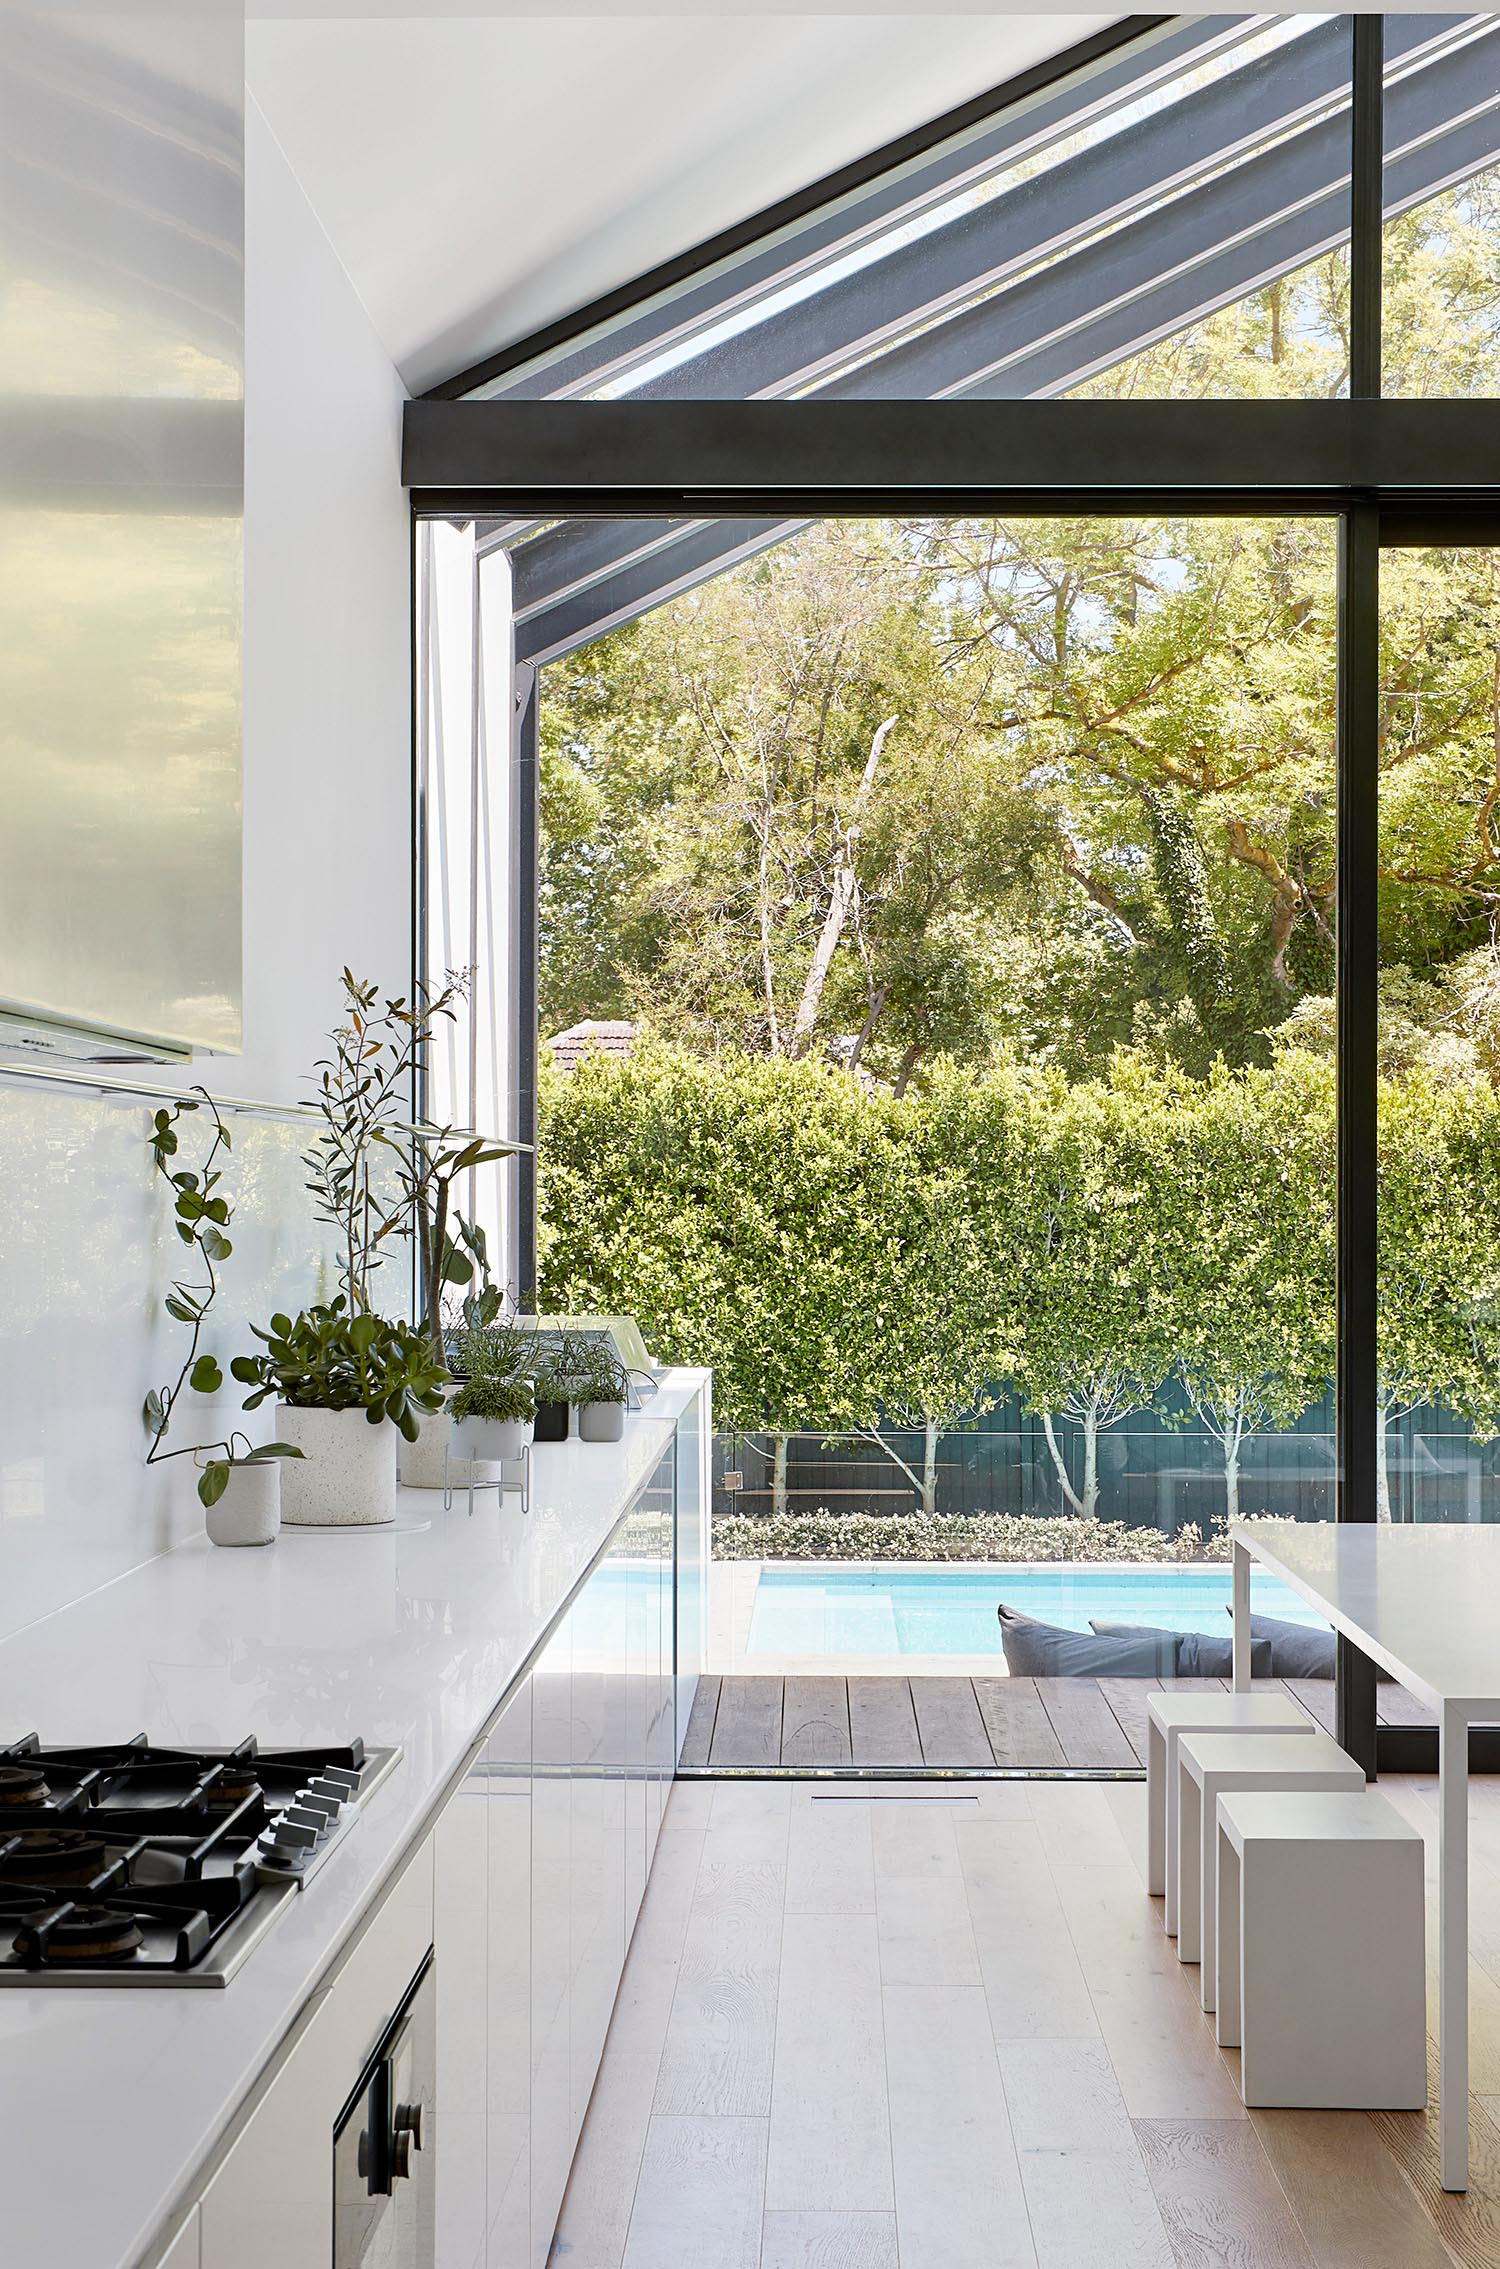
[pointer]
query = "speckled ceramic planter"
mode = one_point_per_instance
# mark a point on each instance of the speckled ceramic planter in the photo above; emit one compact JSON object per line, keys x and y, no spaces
{"x":249,"y":1512}
{"x":420,"y":1463}
{"x":346,"y":1475}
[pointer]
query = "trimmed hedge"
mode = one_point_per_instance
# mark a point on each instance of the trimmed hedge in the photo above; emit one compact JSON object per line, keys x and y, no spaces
{"x":922,"y":1536}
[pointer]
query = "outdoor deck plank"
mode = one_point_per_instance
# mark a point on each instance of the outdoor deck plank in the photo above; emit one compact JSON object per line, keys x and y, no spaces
{"x":1019,"y":1729}
{"x":698,"y":1740}
{"x":815,"y":1722}
{"x":1394,"y":1706}
{"x":882,"y":1722}
{"x":1084,"y":1723}
{"x":1317,"y":1698}
{"x":949,"y":1722}
{"x":1127,"y":1698}
{"x":747,"y":1730}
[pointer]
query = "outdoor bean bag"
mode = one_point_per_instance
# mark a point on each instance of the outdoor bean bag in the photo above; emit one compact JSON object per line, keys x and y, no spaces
{"x":1119,"y":1650}
{"x":1199,"y":1653}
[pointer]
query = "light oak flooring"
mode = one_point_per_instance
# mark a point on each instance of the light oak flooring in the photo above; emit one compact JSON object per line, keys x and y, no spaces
{"x":954,"y":1723}
{"x":883,"y":2027}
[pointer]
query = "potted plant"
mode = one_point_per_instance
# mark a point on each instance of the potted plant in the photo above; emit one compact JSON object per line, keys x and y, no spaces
{"x":239,"y":1483}
{"x":551,"y":1384}
{"x":377,"y":1179}
{"x":494,"y":1407}
{"x":348,"y":1386}
{"x":493,"y":1418}
{"x":601,"y":1390}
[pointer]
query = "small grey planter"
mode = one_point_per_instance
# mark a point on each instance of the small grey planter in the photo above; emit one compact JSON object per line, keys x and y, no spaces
{"x":249,"y":1512}
{"x":492,"y":1440}
{"x":601,"y":1421}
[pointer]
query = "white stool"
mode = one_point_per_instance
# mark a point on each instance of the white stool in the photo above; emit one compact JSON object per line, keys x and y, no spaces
{"x":1322,"y":1965}
{"x":1167,"y":1716}
{"x":1211,"y":1764}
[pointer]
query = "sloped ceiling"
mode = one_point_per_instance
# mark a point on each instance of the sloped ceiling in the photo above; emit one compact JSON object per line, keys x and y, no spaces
{"x":482,"y":173}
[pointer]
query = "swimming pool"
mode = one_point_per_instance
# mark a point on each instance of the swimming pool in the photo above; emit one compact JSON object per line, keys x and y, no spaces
{"x":832,"y":1610}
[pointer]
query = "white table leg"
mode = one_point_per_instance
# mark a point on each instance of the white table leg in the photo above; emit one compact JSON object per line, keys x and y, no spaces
{"x":1156,"y":1809}
{"x":1241,"y":1620}
{"x":1453,"y":1948}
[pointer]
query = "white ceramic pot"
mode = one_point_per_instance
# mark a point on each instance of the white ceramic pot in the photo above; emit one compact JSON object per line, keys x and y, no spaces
{"x":346,"y":1475}
{"x":601,"y":1421}
{"x":249,"y":1512}
{"x":491,"y":1440}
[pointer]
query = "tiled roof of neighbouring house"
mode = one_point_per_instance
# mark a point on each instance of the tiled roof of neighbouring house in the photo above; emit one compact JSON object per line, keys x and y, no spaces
{"x":610,"y":1039}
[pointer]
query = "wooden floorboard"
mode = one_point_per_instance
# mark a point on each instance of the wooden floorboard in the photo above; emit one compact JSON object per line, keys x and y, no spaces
{"x":815,"y":1722}
{"x":949,"y":1722}
{"x":747,"y":1730}
{"x":1084,"y":1723}
{"x":953,"y":1724}
{"x":1020,"y":1731}
{"x":1127,"y":1698}
{"x":837,"y":2007}
{"x":698,"y":1740}
{"x":882,"y":1722}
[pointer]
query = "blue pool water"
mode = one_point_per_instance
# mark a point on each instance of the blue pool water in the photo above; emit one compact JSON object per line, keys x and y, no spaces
{"x":841,"y":1611}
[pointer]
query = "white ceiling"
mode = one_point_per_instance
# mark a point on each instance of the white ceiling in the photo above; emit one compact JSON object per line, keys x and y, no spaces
{"x":482,"y":172}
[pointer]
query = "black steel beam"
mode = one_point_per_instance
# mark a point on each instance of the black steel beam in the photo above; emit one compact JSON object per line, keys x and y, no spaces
{"x":704,"y":458}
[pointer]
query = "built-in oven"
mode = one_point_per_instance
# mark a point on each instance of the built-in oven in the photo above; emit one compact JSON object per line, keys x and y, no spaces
{"x":385,"y":2146}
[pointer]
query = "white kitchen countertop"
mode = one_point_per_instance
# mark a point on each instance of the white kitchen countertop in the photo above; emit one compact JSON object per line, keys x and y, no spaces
{"x":113,"y":2100}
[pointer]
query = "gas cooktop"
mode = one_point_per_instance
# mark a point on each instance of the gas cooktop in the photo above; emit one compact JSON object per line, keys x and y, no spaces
{"x":133,"y":1865}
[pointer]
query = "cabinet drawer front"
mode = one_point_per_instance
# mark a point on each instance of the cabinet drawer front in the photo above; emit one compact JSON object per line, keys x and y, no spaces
{"x":272,"y":2199}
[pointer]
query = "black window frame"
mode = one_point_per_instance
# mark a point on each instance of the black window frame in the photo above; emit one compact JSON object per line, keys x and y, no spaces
{"x":1390,"y":472}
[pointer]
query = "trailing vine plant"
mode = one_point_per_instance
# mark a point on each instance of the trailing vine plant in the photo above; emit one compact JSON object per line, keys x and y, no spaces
{"x":201,"y":1215}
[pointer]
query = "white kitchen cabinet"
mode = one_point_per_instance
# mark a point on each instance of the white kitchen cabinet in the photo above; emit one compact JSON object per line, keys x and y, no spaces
{"x":634,"y":1732}
{"x":461,"y":1913}
{"x":508,"y":1761}
{"x":598,"y":1816}
{"x":551,"y":1933}
{"x":272,"y":2198}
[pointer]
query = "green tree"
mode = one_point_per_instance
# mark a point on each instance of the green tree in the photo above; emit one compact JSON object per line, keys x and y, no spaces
{"x":1095,"y":1336}
{"x":1245,"y":1238}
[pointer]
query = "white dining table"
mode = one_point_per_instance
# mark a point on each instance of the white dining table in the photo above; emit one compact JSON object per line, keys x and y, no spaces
{"x":1424,"y":1603}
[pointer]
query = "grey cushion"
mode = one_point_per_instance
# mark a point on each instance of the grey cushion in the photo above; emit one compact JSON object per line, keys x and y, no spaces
{"x":1297,"y":1649}
{"x":1045,"y":1650}
{"x":1199,"y":1655}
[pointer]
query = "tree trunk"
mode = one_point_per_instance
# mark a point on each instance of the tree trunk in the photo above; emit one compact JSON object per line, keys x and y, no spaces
{"x":930,"y":1441}
{"x":1382,"y":1463}
{"x":778,"y":1477}
{"x":1232,"y":1474}
{"x":1091,"y":1462}
{"x":1070,"y":1494}
{"x":845,"y":886}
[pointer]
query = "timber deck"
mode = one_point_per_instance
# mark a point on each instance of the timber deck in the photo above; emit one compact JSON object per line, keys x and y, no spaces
{"x":760,"y":1724}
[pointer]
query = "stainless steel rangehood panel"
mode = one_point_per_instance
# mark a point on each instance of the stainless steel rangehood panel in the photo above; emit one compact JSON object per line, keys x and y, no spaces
{"x":121,"y":508}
